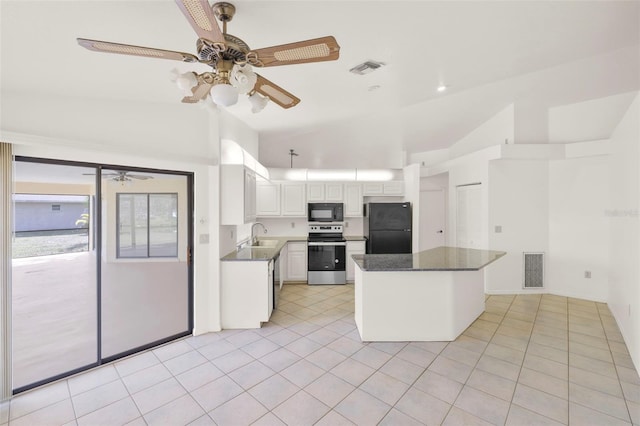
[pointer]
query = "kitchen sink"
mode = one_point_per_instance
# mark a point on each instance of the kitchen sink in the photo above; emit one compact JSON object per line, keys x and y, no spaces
{"x":265,"y":243}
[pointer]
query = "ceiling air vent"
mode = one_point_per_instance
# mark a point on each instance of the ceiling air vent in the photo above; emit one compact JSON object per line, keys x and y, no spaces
{"x":366,"y":67}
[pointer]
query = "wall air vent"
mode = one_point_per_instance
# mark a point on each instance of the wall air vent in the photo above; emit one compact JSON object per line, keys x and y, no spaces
{"x":366,"y":67}
{"x":533,"y":270}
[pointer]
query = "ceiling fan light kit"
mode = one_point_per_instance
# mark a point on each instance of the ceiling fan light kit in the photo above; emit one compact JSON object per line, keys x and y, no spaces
{"x":230,"y":58}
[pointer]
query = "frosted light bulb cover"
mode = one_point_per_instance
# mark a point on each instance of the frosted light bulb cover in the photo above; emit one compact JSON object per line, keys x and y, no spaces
{"x":186,"y":81}
{"x":258,"y":102}
{"x":243,"y":78}
{"x":224,"y":94}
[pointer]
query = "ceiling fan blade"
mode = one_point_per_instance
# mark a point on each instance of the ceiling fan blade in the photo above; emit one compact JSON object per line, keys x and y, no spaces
{"x":200,"y":16}
{"x":275,"y":93}
{"x":301,"y":52}
{"x":141,"y":177}
{"x":200,"y":91}
{"x":127,"y":49}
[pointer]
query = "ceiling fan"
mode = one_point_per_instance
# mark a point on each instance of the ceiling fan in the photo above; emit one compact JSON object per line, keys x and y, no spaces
{"x":120,"y":176}
{"x":230,"y":58}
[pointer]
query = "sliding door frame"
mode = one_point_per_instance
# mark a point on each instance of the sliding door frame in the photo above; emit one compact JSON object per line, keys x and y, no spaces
{"x":98,"y":247}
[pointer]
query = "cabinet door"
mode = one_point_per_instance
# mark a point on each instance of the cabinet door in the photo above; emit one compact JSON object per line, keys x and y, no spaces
{"x":249,"y":196}
{"x":353,"y":200}
{"x":353,"y":247}
{"x":294,"y":202}
{"x":267,"y":199}
{"x":372,"y":188}
{"x":233,"y":195}
{"x":393,"y":188}
{"x":297,"y":261}
{"x":315,"y":192}
{"x":333,"y":192}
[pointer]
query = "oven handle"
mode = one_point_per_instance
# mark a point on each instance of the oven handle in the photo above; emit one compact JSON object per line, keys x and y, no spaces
{"x":315,"y":244}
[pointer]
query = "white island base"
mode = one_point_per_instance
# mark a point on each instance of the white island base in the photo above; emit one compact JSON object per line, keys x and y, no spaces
{"x":393,"y":306}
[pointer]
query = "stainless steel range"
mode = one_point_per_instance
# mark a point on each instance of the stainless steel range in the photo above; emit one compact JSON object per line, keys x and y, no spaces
{"x":326,"y":255}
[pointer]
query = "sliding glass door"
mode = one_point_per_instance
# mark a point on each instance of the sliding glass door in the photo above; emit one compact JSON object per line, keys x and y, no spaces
{"x":101,"y":265}
{"x":145,"y":259}
{"x":54,"y":282}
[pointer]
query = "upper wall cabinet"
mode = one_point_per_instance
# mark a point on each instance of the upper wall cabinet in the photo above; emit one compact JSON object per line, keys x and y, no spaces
{"x":319,"y":192}
{"x":294,"y":201}
{"x":383,"y":188}
{"x":353,"y":200}
{"x":267,"y":199}
{"x":237,"y":195}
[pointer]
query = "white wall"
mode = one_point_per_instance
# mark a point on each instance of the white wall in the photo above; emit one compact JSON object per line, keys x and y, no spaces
{"x":578,"y":228}
{"x":412,"y":195}
{"x":518,"y":200}
{"x":364,"y":143}
{"x":495,"y":131}
{"x":624,"y":215}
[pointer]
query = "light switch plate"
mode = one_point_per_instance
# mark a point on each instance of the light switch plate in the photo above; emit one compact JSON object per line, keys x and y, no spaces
{"x":498,"y":229}
{"x":203,"y":238}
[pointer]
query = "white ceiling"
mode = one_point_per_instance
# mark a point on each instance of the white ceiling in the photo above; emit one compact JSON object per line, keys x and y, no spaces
{"x":491,"y":54}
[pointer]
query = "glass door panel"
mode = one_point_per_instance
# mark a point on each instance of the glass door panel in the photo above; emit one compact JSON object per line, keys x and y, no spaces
{"x":144,"y":262}
{"x":54,"y":280}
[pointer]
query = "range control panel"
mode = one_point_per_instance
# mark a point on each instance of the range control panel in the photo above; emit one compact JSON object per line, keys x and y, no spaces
{"x":325,"y":228}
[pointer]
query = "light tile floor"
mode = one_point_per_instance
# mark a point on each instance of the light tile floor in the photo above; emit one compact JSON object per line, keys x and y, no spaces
{"x":527,"y":360}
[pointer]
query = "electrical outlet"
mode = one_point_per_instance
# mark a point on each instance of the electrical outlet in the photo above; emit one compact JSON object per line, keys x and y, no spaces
{"x":346,"y":224}
{"x":231,"y":235}
{"x":203,"y":238}
{"x":498,"y":229}
{"x":587,"y":274}
{"x":293,"y":224}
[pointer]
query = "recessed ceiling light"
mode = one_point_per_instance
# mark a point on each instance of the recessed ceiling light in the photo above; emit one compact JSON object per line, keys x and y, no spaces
{"x":441,"y":88}
{"x":373,"y":88}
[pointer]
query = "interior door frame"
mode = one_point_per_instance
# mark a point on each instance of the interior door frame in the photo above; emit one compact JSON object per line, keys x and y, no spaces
{"x":99,"y":167}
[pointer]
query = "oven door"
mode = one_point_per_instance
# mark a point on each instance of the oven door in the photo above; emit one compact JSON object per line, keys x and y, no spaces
{"x":326,"y":263}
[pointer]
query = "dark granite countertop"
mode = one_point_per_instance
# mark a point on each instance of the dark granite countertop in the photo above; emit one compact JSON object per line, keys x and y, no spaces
{"x":263,"y":253}
{"x":436,"y":259}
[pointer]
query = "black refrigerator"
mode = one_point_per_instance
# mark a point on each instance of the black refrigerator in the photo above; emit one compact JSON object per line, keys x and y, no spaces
{"x":387,"y":227}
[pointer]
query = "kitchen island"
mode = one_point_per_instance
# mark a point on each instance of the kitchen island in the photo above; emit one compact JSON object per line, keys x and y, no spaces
{"x":433,"y":295}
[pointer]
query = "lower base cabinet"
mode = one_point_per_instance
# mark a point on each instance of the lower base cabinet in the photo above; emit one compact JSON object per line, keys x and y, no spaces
{"x":246,"y":295}
{"x":296,"y":261}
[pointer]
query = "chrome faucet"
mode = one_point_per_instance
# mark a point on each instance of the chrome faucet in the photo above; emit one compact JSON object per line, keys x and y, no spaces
{"x":254,"y":239}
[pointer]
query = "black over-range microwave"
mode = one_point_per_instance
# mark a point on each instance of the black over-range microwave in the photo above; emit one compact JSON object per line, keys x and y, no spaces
{"x":325,"y":212}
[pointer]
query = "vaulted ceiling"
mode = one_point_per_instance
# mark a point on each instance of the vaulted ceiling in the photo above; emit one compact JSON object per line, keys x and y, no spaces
{"x":490,"y":54}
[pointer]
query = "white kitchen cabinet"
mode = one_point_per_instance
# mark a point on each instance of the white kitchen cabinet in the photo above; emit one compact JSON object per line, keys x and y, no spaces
{"x":353,"y":200}
{"x":324,"y":192}
{"x":333,"y":192}
{"x":372,"y":188}
{"x":395,"y":187}
{"x":296,"y":261}
{"x":237,"y":195}
{"x":249,"y":196}
{"x":315,"y":192}
{"x":267,"y":199}
{"x":353,"y":247}
{"x":294,"y":202}
{"x":246,"y":294}
{"x":321,"y":192}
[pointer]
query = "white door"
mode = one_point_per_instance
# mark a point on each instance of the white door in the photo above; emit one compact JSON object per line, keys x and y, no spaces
{"x":469,"y":216}
{"x":432,"y":219}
